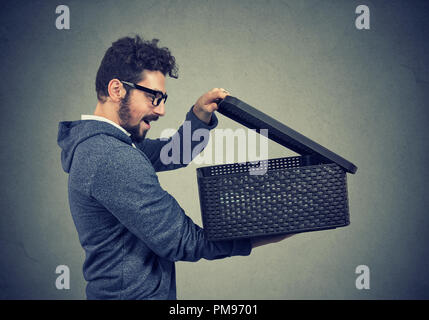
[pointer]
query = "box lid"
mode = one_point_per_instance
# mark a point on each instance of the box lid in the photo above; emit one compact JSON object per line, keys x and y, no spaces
{"x":252,"y":118}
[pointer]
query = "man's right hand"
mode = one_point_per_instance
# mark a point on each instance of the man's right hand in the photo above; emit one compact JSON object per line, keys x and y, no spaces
{"x":261,"y":241}
{"x":208,"y":103}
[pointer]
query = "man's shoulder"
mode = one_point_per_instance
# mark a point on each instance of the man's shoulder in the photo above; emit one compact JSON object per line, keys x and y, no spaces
{"x":102,"y":142}
{"x":107,"y":151}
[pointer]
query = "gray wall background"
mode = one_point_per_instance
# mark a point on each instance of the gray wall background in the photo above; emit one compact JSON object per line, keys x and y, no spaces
{"x":362,"y":94}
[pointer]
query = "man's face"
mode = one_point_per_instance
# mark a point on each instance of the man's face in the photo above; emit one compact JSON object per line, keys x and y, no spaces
{"x":136,"y":109}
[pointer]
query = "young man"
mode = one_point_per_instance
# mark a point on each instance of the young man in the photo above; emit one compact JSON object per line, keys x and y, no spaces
{"x":131,"y":229}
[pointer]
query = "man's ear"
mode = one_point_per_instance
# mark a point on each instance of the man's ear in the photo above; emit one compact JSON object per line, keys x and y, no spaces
{"x":116,"y":90}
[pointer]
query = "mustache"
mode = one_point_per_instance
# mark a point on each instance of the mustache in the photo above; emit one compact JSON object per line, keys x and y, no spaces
{"x":150,"y":118}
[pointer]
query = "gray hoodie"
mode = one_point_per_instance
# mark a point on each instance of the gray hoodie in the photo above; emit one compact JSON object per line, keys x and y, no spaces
{"x":131,"y":229}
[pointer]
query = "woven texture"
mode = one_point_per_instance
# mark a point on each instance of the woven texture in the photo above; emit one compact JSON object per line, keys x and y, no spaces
{"x":288,"y":198}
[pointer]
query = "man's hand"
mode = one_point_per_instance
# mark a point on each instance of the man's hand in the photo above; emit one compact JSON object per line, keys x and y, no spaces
{"x":206,"y":104}
{"x":261,"y":241}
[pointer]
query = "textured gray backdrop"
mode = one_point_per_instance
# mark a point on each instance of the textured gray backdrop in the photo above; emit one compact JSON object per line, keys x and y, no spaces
{"x":362,"y":94}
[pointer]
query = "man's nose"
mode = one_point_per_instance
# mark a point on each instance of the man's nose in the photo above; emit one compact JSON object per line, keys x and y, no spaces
{"x":160,"y":110}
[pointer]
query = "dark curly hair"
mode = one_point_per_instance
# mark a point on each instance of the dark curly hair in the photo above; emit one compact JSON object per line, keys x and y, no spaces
{"x":128,"y":57}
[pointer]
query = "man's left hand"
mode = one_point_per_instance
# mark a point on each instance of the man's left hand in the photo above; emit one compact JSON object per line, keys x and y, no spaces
{"x":206,"y":104}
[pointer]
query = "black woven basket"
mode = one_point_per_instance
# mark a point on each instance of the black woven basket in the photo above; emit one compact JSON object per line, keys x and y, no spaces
{"x":294,"y":194}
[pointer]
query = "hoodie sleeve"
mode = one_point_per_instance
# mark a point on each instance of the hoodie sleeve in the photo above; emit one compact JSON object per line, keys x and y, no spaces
{"x":127,"y":186}
{"x":179,"y":150}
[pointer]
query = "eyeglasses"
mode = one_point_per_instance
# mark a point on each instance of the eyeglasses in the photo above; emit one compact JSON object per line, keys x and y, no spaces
{"x":157,"y":96}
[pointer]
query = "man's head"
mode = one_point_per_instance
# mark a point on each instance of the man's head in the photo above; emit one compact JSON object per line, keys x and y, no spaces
{"x":134,"y":61}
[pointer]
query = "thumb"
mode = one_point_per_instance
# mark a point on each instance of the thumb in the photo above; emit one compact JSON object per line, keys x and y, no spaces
{"x":213,"y":106}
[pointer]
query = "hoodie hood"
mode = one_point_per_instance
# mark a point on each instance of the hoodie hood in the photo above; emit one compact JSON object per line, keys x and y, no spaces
{"x":72,"y":133}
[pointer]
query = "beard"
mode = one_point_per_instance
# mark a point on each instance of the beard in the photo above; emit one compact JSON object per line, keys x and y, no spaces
{"x":124,"y":116}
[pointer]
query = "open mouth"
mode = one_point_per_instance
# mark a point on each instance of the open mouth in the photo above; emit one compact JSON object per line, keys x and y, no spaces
{"x":147,"y":121}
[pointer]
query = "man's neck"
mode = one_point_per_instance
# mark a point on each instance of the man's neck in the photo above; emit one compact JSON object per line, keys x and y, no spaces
{"x":108,"y":111}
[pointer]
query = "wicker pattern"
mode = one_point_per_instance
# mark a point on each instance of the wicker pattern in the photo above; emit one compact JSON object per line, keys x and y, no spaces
{"x":288,"y":198}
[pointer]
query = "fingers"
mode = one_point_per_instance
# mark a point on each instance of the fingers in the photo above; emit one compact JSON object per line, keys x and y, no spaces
{"x":209,"y":101}
{"x":218,"y":93}
{"x":223,"y":91}
{"x":214,"y":97}
{"x":264,"y":240}
{"x":213,"y":106}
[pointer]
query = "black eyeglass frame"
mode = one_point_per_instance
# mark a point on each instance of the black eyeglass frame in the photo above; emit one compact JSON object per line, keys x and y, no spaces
{"x":155,"y":93}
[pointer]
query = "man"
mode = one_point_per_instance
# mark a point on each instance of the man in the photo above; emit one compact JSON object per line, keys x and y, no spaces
{"x":131,"y":229}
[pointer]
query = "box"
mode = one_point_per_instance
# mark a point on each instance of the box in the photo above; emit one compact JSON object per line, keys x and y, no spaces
{"x":294,"y":194}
